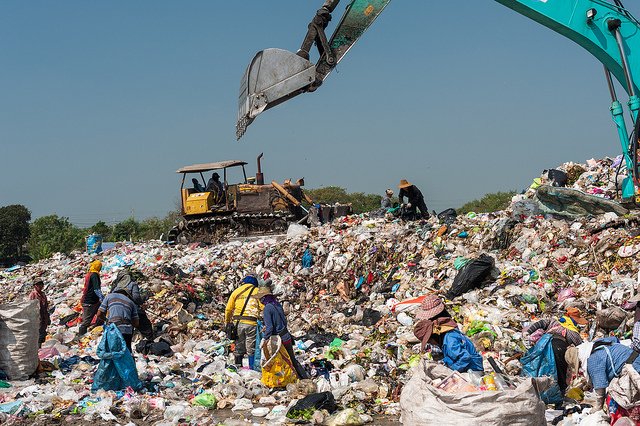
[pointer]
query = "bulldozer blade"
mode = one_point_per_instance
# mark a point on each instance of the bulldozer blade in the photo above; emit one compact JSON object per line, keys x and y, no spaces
{"x":272,"y":77}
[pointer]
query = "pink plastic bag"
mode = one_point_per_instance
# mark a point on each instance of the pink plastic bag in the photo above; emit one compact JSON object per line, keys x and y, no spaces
{"x":50,"y":352}
{"x":565,"y":294}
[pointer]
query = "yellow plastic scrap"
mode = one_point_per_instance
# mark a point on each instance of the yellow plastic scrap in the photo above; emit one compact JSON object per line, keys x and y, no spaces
{"x":576,"y":394}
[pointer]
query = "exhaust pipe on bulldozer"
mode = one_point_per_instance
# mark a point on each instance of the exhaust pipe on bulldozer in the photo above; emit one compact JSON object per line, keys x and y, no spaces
{"x":259,"y":175}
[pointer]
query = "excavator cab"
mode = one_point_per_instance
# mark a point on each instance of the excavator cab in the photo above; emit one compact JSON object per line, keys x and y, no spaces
{"x":276,"y":75}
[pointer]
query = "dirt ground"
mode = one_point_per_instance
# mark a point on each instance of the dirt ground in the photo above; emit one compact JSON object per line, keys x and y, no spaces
{"x":218,"y":417}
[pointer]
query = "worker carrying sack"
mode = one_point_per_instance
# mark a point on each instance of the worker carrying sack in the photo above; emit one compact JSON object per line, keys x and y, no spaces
{"x":19,"y":332}
{"x":421,"y":403}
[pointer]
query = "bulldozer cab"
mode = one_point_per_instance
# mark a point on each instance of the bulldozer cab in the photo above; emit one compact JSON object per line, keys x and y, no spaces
{"x":199,"y":198}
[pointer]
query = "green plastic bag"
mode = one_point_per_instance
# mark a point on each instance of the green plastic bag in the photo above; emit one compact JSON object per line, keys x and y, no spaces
{"x":205,"y":399}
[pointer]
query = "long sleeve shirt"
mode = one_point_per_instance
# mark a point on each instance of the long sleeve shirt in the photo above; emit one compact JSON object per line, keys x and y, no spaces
{"x":92,"y":293}
{"x":553,"y":326}
{"x":607,"y":362}
{"x":412,"y":193}
{"x":45,"y":319}
{"x":459,"y":352}
{"x":275,"y":322}
{"x":385,"y":203}
{"x":237,"y":301}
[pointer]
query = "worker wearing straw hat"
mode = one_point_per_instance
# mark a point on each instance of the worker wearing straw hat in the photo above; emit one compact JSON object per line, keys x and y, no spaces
{"x":416,"y":200}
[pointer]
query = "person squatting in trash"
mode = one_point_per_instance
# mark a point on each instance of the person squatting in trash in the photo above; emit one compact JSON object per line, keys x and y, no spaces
{"x":414,"y":197}
{"x":386,"y":202}
{"x":124,"y":281}
{"x":45,"y":318}
{"x":91,"y":296}
{"x":120,"y":310}
{"x":565,"y":333}
{"x":241,"y":315}
{"x":275,"y":323}
{"x":602,"y":360}
{"x":436,"y":327}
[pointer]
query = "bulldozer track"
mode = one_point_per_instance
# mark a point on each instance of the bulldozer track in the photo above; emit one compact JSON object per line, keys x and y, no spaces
{"x":214,"y":229}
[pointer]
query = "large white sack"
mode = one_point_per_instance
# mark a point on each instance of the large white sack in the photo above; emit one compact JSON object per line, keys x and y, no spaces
{"x":423,"y":404}
{"x":625,"y":389}
{"x":19,"y":325}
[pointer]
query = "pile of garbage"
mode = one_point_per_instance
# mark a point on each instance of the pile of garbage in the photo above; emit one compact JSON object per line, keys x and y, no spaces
{"x":349,"y":290}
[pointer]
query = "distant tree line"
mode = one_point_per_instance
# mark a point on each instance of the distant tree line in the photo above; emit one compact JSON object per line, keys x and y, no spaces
{"x":492,"y":202}
{"x":23,"y":240}
{"x":360,"y":201}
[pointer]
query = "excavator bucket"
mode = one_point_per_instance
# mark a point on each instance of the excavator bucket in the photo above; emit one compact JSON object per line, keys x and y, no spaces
{"x":272,"y":77}
{"x":276,"y":75}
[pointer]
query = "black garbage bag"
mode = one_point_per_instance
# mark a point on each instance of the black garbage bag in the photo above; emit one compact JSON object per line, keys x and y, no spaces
{"x":471,"y":276}
{"x":370,"y":317}
{"x":504,"y":234}
{"x":159,"y":348}
{"x":304,"y":409}
{"x":319,"y":336}
{"x":557,"y":177}
{"x":447,"y":216}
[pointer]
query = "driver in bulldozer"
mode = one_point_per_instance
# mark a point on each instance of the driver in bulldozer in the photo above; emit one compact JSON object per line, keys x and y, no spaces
{"x":214,"y":185}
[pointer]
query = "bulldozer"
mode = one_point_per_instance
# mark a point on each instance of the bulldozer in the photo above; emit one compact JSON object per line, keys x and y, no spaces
{"x":214,"y":211}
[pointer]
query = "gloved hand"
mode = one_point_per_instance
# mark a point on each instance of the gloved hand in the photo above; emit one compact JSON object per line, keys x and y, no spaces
{"x":409,"y":205}
{"x":601,"y":395}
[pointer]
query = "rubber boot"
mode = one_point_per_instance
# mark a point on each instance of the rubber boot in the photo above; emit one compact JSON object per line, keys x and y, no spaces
{"x":238,"y":360}
{"x":251,"y":362}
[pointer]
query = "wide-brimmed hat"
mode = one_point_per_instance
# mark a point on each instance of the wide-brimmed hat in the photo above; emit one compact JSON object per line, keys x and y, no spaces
{"x":263,"y":291}
{"x":574,"y":314}
{"x":431,"y":306}
{"x":404,"y":184}
{"x":38,"y":281}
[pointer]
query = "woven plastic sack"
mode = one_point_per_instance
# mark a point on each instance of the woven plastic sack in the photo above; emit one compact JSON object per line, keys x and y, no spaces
{"x":625,"y":389}
{"x":19,"y":326}
{"x":423,"y":404}
{"x":277,"y":369}
{"x":117,"y":368}
{"x":540,"y":361}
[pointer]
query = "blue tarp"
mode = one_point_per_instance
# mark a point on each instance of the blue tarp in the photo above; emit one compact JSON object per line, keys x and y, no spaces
{"x":539,"y":361}
{"x":94,"y":244}
{"x":117,"y":369}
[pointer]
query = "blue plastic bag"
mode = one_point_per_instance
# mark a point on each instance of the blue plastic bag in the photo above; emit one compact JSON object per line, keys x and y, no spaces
{"x":117,"y":368}
{"x":307,"y":259}
{"x":94,"y":244}
{"x":539,"y":361}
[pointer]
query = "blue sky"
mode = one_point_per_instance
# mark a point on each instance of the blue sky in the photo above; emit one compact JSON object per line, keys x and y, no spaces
{"x":100,"y":102}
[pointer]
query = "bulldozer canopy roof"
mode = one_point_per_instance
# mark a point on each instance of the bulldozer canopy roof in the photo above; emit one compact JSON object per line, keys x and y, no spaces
{"x":205,"y":167}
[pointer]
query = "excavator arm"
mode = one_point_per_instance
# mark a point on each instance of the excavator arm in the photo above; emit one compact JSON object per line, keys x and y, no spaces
{"x":606,"y":30}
